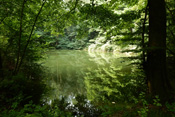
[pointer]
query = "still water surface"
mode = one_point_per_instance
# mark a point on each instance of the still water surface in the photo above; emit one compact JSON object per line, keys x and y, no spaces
{"x":84,"y":77}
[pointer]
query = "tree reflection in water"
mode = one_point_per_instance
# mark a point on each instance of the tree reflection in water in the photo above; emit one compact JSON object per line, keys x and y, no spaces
{"x":82,"y":82}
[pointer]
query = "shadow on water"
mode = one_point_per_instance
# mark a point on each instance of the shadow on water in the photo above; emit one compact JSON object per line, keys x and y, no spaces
{"x":82,"y":82}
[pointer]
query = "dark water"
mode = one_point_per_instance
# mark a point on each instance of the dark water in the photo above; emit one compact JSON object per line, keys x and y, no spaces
{"x":85,"y":80}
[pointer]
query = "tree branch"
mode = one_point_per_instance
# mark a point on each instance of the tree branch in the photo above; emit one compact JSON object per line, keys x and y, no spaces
{"x":66,"y":14}
{"x":171,"y":13}
{"x":172,"y":33}
{"x":28,"y":41}
{"x":73,"y":7}
{"x":173,"y":53}
{"x":2,"y":20}
{"x":20,"y":35}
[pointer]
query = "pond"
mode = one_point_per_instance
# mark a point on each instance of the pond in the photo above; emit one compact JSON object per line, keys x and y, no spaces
{"x":85,"y":79}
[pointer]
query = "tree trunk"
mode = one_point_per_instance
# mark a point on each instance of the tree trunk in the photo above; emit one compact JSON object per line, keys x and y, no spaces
{"x":156,"y":59}
{"x":1,"y":69}
{"x":143,"y":38}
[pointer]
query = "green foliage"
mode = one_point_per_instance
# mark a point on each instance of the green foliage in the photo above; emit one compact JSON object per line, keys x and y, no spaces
{"x":73,"y":44}
{"x":58,"y":108}
{"x":143,"y":111}
{"x":117,"y":109}
{"x":152,"y":108}
{"x":32,"y":110}
{"x":171,"y":107}
{"x":116,"y":84}
{"x":106,"y":25}
{"x":156,"y":101}
{"x":18,"y":90}
{"x":170,"y":27}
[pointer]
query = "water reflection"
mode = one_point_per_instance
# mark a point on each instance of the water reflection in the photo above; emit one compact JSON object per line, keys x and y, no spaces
{"x":82,"y":78}
{"x":67,"y":69}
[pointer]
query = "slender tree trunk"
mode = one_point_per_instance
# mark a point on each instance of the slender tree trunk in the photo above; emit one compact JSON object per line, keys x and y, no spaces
{"x":156,"y":72}
{"x":20,"y":35}
{"x":143,"y":38}
{"x":28,"y":40}
{"x":1,"y":68}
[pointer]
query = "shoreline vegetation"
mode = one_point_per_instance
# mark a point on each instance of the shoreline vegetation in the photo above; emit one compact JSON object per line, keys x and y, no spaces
{"x":87,"y":58}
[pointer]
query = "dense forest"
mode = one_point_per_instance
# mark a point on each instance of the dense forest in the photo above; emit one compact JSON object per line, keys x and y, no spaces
{"x":138,"y":34}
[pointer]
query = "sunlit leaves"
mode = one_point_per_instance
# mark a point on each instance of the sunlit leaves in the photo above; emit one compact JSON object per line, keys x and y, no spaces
{"x":127,"y":2}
